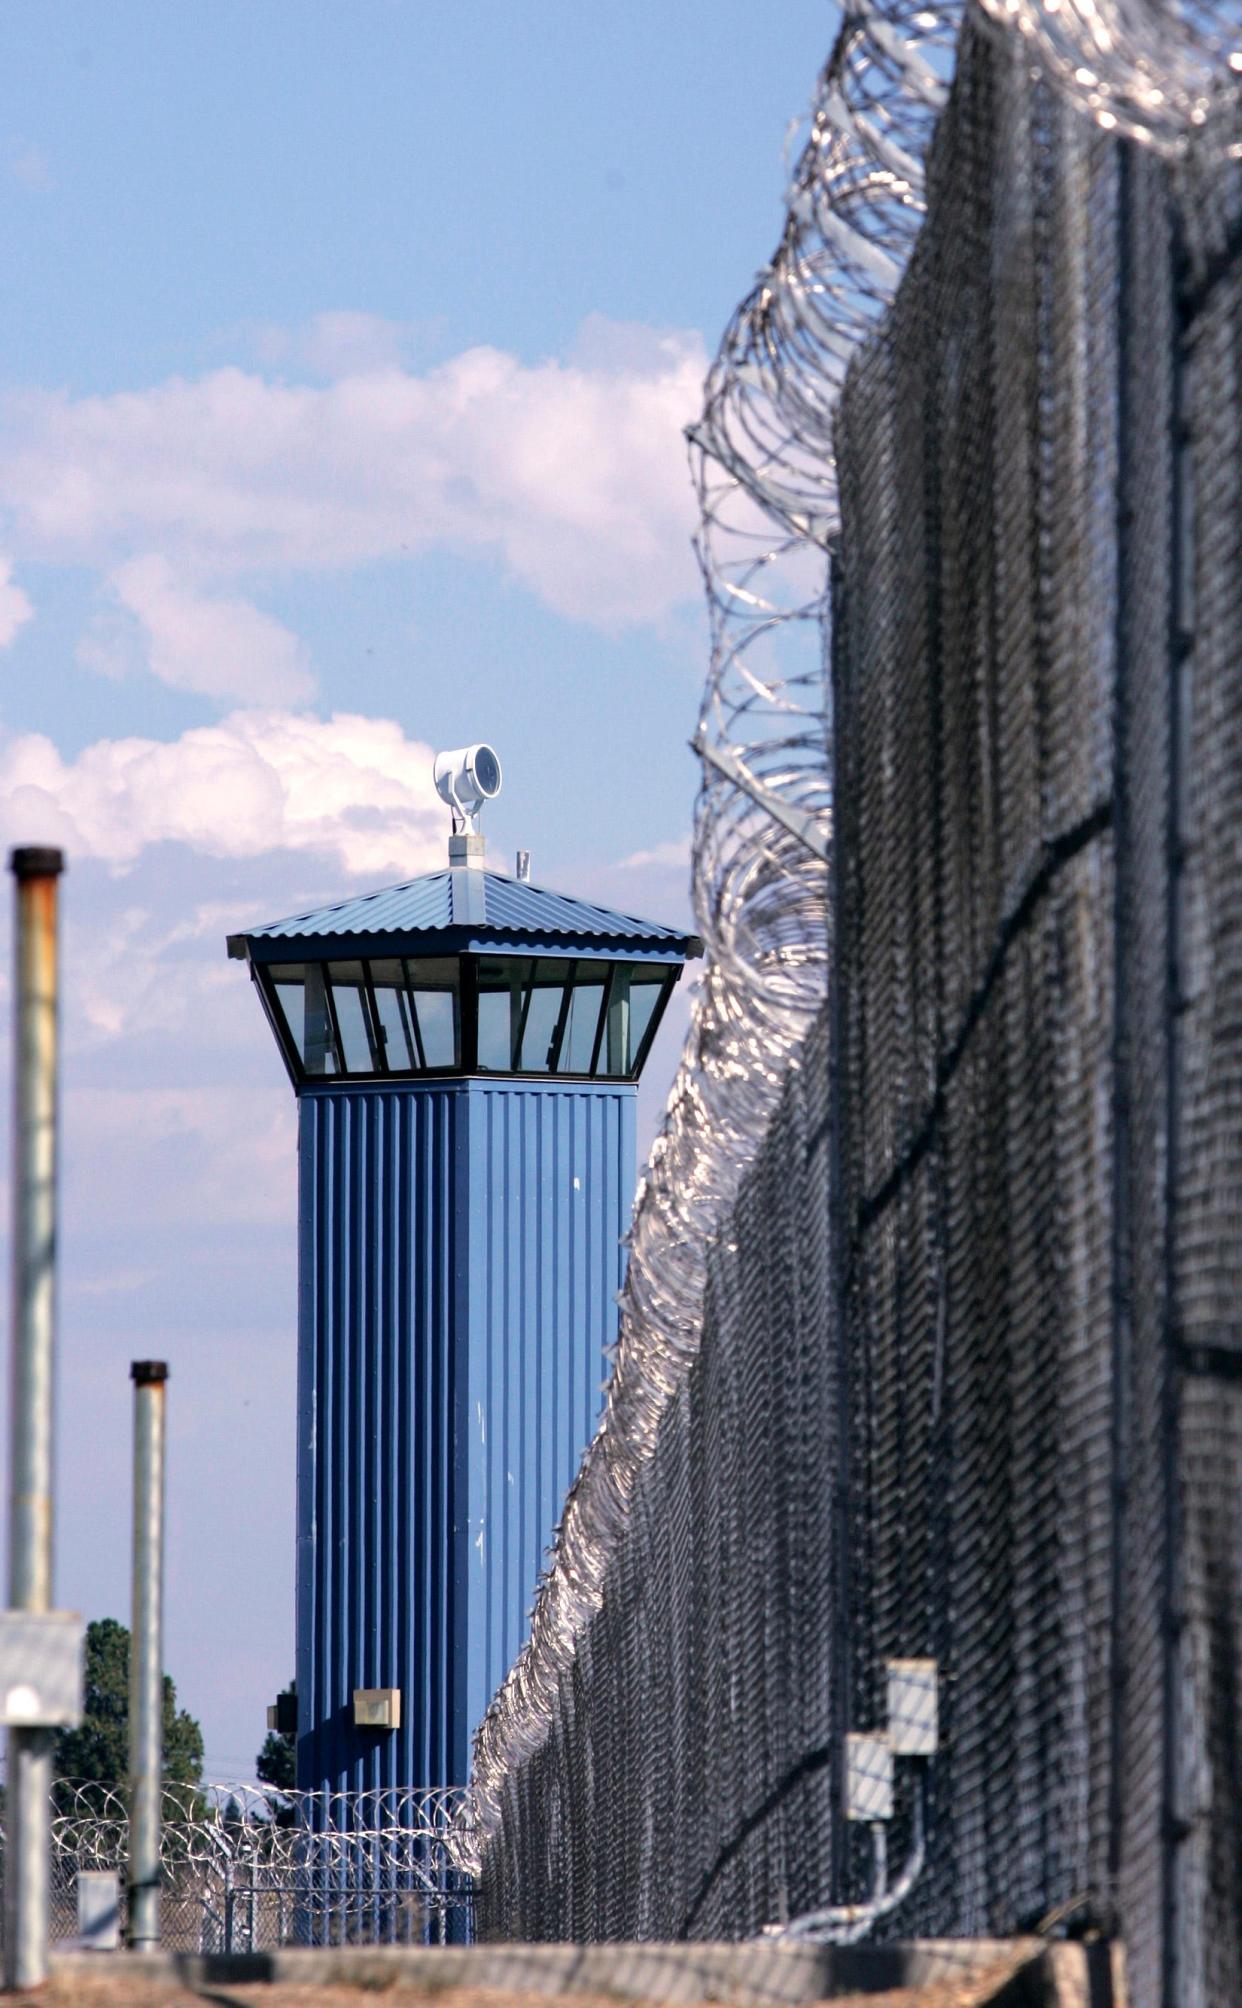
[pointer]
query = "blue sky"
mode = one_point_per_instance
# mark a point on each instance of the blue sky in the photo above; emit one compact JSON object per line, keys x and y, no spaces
{"x":344,"y":355}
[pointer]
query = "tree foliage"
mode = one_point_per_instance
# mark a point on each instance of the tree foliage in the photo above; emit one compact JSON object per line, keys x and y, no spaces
{"x":97,"y":1751}
{"x":276,"y":1763}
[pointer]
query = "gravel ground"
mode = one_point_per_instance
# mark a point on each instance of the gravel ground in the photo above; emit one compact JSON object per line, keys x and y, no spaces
{"x":127,"y":1990}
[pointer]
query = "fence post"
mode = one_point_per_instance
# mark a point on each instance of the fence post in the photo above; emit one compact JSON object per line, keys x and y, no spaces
{"x":146,"y":1657}
{"x":29,"y":1785}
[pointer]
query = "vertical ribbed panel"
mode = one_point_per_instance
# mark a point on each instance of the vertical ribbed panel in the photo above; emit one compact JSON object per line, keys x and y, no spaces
{"x":375,"y":1439}
{"x":459,"y":1259}
{"x":551,"y":1179}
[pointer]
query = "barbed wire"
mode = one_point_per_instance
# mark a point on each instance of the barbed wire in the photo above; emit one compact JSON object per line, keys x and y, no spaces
{"x":419,"y":1834}
{"x":1155,"y":71}
{"x":763,"y":463}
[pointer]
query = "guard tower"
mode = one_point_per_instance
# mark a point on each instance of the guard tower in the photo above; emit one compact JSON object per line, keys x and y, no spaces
{"x":464,"y":1049}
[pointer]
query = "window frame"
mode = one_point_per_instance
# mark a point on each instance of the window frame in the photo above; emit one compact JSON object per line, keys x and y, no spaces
{"x":466,"y":997}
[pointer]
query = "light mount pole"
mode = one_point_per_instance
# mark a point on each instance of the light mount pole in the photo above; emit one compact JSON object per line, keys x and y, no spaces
{"x":40,"y":1648}
{"x":146,"y":1656}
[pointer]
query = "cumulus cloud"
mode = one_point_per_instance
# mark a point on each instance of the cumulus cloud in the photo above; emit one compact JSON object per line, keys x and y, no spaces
{"x":215,"y":646}
{"x":675,"y":855}
{"x":15,"y":608}
{"x":573,"y":473}
{"x":347,"y":788}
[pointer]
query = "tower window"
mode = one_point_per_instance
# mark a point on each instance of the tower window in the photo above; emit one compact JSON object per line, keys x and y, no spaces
{"x":406,"y":1015}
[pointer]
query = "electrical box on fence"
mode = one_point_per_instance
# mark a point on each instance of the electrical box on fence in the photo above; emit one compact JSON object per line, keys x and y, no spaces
{"x":868,"y":1776}
{"x":377,"y":1708}
{"x":41,"y":1669}
{"x":99,"y":1910}
{"x":913,"y":1711}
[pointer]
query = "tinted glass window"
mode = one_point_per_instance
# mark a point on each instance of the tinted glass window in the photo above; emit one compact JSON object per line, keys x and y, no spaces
{"x":319,"y":1048}
{"x":302,"y":1001}
{"x":353,"y":1017}
{"x":396,"y":1016}
{"x":393,"y":1019}
{"x":645,"y":987}
{"x":432,"y":986}
{"x":578,"y":1040}
{"x":402,"y":1015}
{"x":541,"y":1007}
{"x":502,"y":988}
{"x":291,"y":998}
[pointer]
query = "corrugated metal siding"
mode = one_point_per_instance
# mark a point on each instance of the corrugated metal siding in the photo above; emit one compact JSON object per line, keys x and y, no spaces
{"x":551,"y":1183}
{"x":426,"y":906}
{"x":457,"y":1290}
{"x":375,"y":1436}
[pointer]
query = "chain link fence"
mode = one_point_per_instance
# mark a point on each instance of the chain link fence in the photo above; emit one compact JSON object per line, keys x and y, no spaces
{"x":968,"y":1379}
{"x":999,"y":1123}
{"x":1038,"y":707}
{"x":248,"y":1869}
{"x":684,"y":1786}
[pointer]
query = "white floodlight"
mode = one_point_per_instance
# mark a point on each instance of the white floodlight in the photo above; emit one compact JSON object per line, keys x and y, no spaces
{"x":465,"y":779}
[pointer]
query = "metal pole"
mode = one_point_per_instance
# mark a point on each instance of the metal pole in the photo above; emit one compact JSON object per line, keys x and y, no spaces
{"x":28,"y":1798}
{"x":146,"y":1657}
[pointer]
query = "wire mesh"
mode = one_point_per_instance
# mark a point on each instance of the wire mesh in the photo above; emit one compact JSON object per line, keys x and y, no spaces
{"x":634,"y":1816}
{"x":930,"y":1348}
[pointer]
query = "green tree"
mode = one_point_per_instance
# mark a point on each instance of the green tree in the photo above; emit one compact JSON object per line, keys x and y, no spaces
{"x":277,"y":1763}
{"x":97,"y":1751}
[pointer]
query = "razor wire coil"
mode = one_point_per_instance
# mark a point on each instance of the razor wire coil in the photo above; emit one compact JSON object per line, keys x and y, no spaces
{"x":763,"y":462}
{"x":419,"y":1833}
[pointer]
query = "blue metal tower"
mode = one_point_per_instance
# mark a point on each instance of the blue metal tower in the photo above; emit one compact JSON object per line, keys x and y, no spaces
{"x":464,"y":1049}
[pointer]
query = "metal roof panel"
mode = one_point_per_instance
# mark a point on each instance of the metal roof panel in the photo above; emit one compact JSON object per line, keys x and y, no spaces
{"x":512,"y":908}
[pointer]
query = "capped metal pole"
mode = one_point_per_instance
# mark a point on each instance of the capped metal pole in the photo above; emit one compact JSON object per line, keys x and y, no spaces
{"x":28,"y":1797}
{"x":146,"y":1657}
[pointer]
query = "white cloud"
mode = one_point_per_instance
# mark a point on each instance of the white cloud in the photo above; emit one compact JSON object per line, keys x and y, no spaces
{"x":573,"y":473}
{"x":675,"y":855}
{"x":348,"y":788}
{"x":15,"y":608}
{"x":218,"y":647}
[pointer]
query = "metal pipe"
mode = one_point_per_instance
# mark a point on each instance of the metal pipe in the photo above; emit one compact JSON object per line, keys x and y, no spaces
{"x":29,"y":1782}
{"x":146,"y":1657}
{"x":846,"y":1923}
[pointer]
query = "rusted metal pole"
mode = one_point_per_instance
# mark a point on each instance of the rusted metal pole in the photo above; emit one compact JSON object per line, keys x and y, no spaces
{"x":146,"y":1656}
{"x":29,"y":1781}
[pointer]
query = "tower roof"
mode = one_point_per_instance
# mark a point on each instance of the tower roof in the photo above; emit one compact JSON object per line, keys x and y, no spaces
{"x":464,"y":909}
